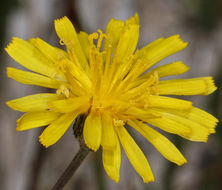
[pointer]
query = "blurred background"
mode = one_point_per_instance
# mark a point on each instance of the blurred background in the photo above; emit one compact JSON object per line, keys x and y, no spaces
{"x":26,"y":165}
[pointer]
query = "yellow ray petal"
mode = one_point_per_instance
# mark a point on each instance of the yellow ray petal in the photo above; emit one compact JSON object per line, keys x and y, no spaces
{"x":32,"y":103}
{"x":197,"y":131}
{"x":70,"y":105}
{"x":54,"y":54}
{"x":113,"y":31}
{"x":167,"y":102}
{"x":141,"y":63}
{"x":31,"y":58}
{"x":161,"y":143}
{"x":198,"y":116}
{"x":194,"y":86}
{"x":127,"y":43}
{"x":56,"y":129}
{"x":76,"y":87}
{"x":79,"y":74}
{"x":169,"y":69}
{"x":141,"y":113}
{"x":163,"y":49}
{"x":84,"y":42}
{"x":92,"y":131}
{"x":112,"y":161}
{"x":67,"y":33}
{"x":108,"y":133}
{"x":135,"y":155}
{"x":142,"y":52}
{"x":136,"y":87}
{"x":168,"y":124}
{"x":203,"y":118}
{"x":210,"y":86}
{"x":35,"y":119}
{"x":26,"y":77}
{"x":96,"y":67}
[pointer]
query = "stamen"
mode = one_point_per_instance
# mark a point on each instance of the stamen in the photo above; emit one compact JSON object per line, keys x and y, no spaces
{"x":61,"y":65}
{"x":118,"y":122}
{"x":132,"y":102}
{"x":146,"y":104}
{"x":62,"y":42}
{"x":60,"y":56}
{"x":154,"y":90}
{"x":63,"y":90}
{"x":156,"y":76}
{"x":67,"y":43}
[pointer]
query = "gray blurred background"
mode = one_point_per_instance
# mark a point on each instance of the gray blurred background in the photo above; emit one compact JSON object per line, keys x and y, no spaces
{"x":26,"y":165}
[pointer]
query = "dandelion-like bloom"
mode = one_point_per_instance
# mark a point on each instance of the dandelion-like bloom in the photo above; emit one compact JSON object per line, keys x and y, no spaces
{"x":104,"y":76}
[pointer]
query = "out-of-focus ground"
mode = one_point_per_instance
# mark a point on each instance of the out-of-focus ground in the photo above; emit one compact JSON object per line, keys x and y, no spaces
{"x":26,"y":165}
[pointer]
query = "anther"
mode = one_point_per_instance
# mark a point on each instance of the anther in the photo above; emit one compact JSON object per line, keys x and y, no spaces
{"x":60,"y":56}
{"x":61,"y":65}
{"x":63,"y":90}
{"x":62,"y":42}
{"x":118,"y":122}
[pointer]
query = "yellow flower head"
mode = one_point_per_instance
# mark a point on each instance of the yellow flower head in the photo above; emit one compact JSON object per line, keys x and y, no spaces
{"x":104,"y":76}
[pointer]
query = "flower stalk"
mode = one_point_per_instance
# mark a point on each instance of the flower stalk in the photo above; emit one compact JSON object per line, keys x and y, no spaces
{"x":78,"y":158}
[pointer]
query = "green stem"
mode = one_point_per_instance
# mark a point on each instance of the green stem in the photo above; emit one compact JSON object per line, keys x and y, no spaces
{"x":73,"y":166}
{"x":78,"y":158}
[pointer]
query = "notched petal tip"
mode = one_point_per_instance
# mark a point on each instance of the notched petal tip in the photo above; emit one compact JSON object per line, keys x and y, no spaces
{"x":18,"y":129}
{"x":13,"y":42}
{"x":11,"y":45}
{"x":91,"y":147}
{"x":65,"y":18}
{"x":43,"y":141}
{"x":210,"y":86}
{"x":206,"y":138}
{"x":8,"y":47}
{"x":64,"y":29}
{"x":182,"y":162}
{"x":148,"y":180}
{"x":92,"y":131}
{"x":9,"y":104}
{"x":133,"y":20}
{"x":8,"y":71}
{"x":178,"y":39}
{"x":114,"y":178}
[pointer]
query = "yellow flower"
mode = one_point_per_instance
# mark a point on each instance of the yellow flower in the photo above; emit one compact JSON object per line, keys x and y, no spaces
{"x":104,"y":76}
